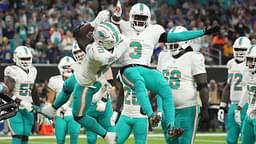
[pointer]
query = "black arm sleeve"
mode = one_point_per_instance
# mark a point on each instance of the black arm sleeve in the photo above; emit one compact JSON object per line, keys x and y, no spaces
{"x":226,"y":94}
{"x":201,"y":80}
{"x":120,"y":100}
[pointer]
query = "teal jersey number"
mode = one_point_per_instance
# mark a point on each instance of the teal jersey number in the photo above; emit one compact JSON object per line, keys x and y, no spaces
{"x":173,"y":77}
{"x":25,"y":89}
{"x":137,"y":47}
{"x":128,"y":92}
{"x":238,"y":77}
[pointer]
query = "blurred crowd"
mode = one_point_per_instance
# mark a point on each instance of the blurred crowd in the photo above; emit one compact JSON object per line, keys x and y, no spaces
{"x":46,"y":26}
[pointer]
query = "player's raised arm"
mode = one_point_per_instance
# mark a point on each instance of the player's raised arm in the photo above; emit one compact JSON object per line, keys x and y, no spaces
{"x":83,"y":33}
{"x":171,"y":37}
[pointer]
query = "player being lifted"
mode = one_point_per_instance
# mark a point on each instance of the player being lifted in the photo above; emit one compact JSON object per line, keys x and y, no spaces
{"x":185,"y":71}
{"x":103,"y":117}
{"x":248,"y":95}
{"x":64,"y":121}
{"x":143,"y":38}
{"x":109,"y":45}
{"x":233,"y":89}
{"x":19,"y":79}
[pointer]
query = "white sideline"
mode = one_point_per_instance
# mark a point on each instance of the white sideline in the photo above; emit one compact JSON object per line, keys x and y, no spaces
{"x":84,"y":136}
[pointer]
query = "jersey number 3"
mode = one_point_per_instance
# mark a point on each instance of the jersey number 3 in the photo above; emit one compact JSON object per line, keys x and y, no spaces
{"x":136,"y":46}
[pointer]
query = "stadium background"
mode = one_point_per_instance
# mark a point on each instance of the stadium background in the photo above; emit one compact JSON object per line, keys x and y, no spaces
{"x":46,"y":27}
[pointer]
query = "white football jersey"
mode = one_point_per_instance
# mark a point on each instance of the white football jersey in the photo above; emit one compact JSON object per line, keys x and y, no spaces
{"x":141,"y":44}
{"x":56,"y":84}
{"x":235,"y":77}
{"x":23,"y":81}
{"x":131,"y":107}
{"x":250,"y":90}
{"x":180,"y":74}
{"x":97,"y":57}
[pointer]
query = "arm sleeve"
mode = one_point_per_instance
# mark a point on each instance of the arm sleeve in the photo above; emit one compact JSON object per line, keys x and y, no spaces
{"x":198,"y":65}
{"x":172,"y":37}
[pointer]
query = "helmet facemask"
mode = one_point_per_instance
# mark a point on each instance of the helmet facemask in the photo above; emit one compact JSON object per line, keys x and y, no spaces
{"x":65,"y":66}
{"x":78,"y":55}
{"x":239,"y":53}
{"x":139,"y":17}
{"x":240,"y":47}
{"x":140,"y":22}
{"x":174,"y":48}
{"x":23,"y":57}
{"x":251,"y":64}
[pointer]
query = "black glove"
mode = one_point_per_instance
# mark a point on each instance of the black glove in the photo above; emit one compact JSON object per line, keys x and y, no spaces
{"x":212,"y":30}
{"x":155,"y":120}
{"x":175,"y":132}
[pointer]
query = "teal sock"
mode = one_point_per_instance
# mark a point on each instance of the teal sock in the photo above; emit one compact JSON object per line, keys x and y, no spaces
{"x":91,"y":124}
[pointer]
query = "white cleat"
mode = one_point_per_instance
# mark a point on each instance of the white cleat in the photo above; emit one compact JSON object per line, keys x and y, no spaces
{"x":110,"y":138}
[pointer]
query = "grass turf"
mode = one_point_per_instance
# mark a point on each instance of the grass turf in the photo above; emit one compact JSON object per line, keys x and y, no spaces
{"x":200,"y":139}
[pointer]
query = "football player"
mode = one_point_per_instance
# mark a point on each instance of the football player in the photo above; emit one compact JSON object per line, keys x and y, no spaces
{"x":185,"y":71}
{"x":64,"y":121}
{"x":136,"y":73}
{"x":109,"y":45}
{"x":19,"y":79}
{"x":131,"y":119}
{"x":248,"y":95}
{"x":233,"y":89}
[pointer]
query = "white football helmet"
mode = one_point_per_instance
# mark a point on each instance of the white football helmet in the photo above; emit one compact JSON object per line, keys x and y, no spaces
{"x":177,"y":47}
{"x":139,"y":16}
{"x":23,"y":57}
{"x":240,"y":47}
{"x":78,"y":54}
{"x":107,"y":35}
{"x":250,"y":59}
{"x":64,"y":66}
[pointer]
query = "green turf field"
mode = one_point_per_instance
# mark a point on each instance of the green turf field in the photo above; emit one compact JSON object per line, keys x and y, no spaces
{"x":207,"y":138}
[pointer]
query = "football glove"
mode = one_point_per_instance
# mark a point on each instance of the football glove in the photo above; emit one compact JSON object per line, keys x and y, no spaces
{"x":221,"y":112}
{"x":155,"y":120}
{"x":175,"y":132}
{"x":26,"y":105}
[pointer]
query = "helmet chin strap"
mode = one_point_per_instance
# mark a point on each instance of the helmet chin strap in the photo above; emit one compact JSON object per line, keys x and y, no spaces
{"x":238,"y":61}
